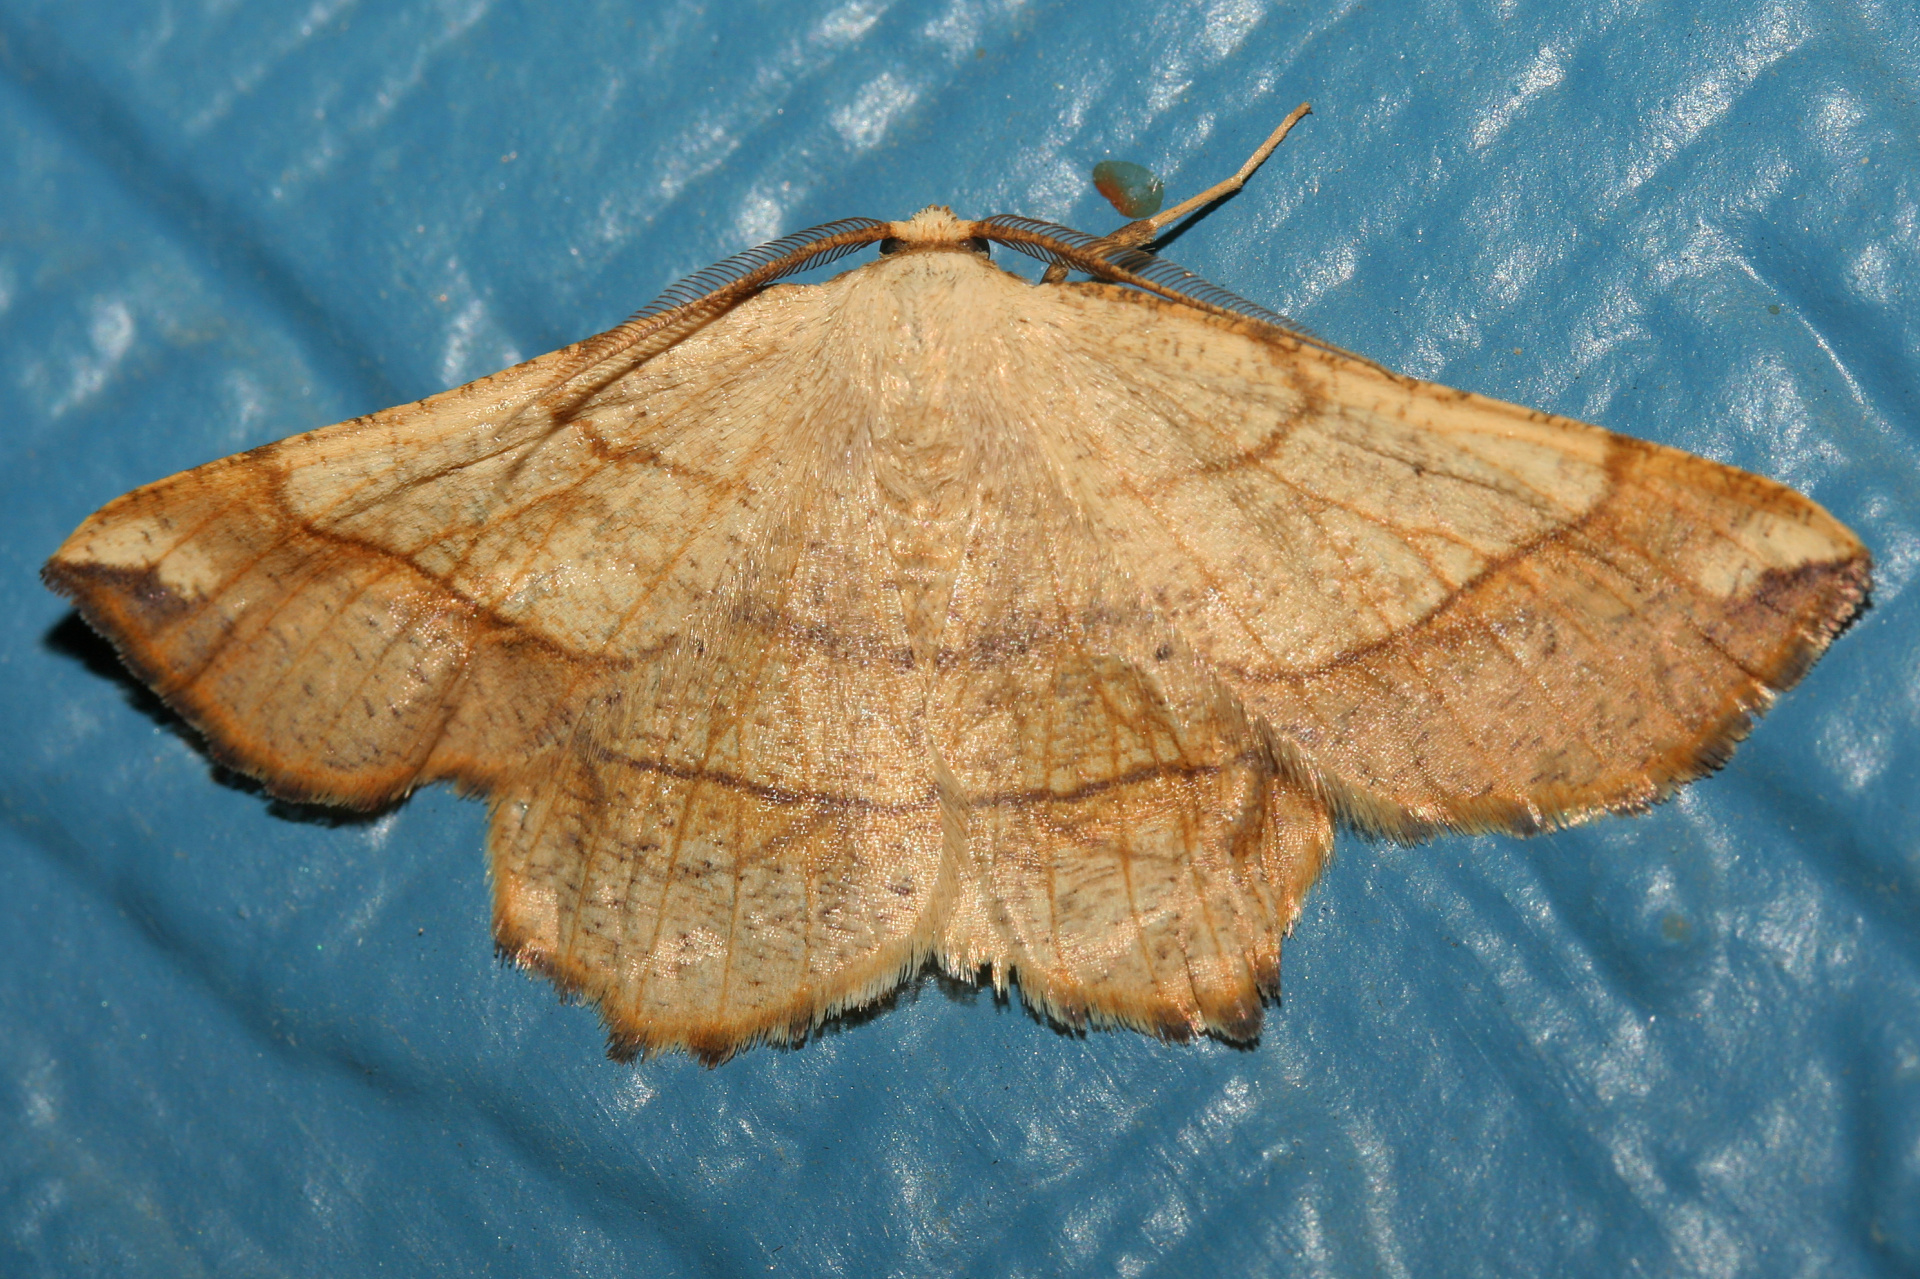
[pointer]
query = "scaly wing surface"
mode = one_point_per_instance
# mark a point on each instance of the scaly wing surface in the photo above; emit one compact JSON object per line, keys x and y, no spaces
{"x":1454,"y":612}
{"x":745,"y":837}
{"x":1131,"y":848}
{"x":425,"y":593}
{"x":656,"y":627}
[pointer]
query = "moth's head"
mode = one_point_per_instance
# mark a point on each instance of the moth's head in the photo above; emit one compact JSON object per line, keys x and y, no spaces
{"x":933,"y":228}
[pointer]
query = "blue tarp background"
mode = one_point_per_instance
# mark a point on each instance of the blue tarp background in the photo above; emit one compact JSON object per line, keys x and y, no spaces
{"x":239,"y":1039}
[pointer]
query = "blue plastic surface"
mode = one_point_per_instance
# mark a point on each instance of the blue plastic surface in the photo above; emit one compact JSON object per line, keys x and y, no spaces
{"x":235,"y":1040}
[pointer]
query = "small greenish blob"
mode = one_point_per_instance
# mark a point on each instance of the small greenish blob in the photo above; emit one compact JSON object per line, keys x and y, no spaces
{"x":1129,"y":188}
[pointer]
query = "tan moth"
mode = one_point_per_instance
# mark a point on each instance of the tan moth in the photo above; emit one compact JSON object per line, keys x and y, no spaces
{"x":803,"y":635}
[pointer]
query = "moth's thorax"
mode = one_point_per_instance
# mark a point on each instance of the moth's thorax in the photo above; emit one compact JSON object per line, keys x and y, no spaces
{"x":933,"y":226}
{"x":924,"y":348}
{"x":940,"y":304}
{"x":929,"y":344}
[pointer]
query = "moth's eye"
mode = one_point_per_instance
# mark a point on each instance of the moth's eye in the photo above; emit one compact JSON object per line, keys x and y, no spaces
{"x":889,"y":245}
{"x":981,"y":245}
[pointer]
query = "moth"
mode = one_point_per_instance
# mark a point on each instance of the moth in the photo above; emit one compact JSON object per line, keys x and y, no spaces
{"x":801,"y":636}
